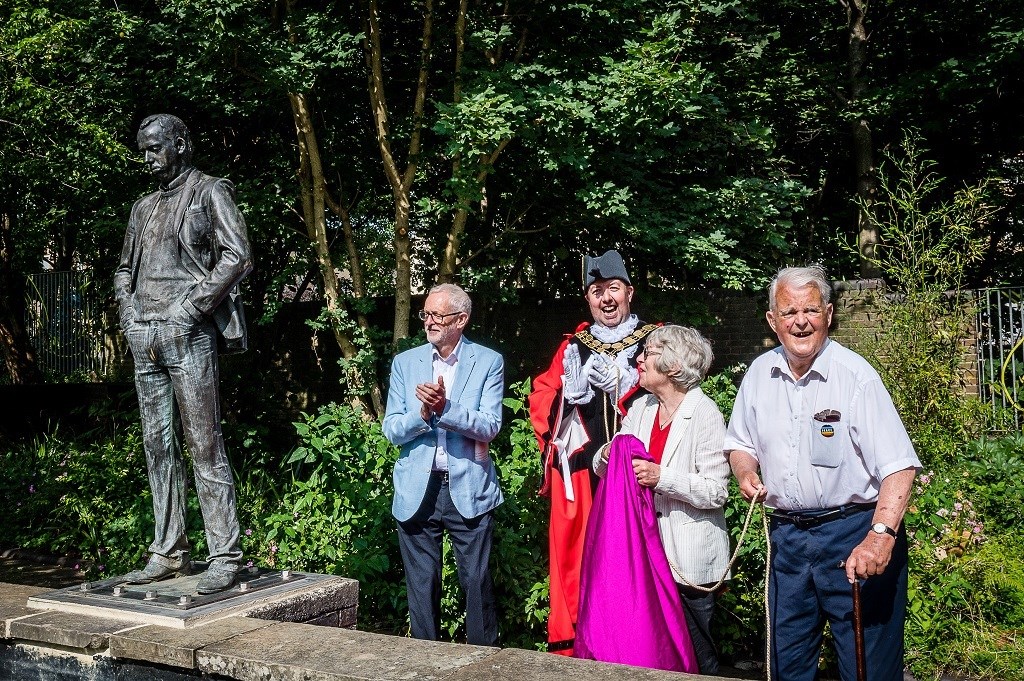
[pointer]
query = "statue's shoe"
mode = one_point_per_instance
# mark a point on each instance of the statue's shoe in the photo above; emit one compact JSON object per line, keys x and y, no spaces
{"x":156,"y":572}
{"x":217,"y":578}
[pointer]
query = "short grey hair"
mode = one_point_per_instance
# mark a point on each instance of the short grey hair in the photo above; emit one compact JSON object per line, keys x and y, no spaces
{"x":685,"y":354}
{"x":458,"y":299}
{"x":172,"y":127}
{"x":799,"y":277}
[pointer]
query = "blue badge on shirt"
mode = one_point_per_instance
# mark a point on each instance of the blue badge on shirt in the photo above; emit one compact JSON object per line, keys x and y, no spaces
{"x":827,"y":431}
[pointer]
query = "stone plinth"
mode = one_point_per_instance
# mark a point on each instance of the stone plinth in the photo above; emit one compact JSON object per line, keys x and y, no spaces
{"x":175,"y":603}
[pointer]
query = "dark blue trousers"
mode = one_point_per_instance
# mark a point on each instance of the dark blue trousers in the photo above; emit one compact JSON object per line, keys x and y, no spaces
{"x":808,"y":588}
{"x":419,"y":539}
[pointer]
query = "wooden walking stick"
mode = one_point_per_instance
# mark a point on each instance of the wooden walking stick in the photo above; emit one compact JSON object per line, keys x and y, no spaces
{"x":858,"y":633}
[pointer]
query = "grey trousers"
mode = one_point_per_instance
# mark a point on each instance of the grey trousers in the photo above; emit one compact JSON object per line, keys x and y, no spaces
{"x":699,"y":606}
{"x":177,"y":379}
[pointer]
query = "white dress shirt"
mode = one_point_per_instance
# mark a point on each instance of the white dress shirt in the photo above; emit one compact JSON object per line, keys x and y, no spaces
{"x":445,"y":368}
{"x":822,"y":441}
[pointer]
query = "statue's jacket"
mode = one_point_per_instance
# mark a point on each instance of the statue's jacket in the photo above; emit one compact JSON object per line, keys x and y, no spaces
{"x":213,"y":248}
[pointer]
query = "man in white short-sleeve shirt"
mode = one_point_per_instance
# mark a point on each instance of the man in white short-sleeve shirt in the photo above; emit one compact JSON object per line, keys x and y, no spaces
{"x":815,"y":421}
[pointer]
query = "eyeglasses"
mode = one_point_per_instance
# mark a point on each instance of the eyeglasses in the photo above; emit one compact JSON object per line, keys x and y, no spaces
{"x":436,"y":316}
{"x":647,"y":353}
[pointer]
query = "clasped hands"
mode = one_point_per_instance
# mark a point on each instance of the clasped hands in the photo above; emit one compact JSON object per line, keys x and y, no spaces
{"x":599,"y":371}
{"x":432,"y":398}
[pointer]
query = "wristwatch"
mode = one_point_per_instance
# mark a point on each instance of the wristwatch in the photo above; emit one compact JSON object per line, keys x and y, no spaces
{"x":882,"y":528}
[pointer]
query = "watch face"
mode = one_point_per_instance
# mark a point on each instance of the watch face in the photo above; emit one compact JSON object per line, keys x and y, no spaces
{"x":882,"y":528}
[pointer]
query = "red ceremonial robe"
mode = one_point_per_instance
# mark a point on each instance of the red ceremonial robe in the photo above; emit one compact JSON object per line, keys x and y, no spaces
{"x":568,"y":443}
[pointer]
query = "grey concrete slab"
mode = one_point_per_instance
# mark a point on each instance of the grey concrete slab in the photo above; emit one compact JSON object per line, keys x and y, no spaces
{"x":174,"y":603}
{"x":68,"y":630}
{"x":294,"y":652}
{"x":323,"y":599}
{"x":512,"y":664}
{"x":177,"y":647}
{"x":13,"y":599}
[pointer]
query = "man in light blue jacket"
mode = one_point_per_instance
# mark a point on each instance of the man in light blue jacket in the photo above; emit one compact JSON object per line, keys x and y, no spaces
{"x":444,"y":407}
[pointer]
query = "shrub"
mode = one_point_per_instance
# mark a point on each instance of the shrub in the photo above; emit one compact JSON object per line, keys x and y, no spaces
{"x":335,"y":517}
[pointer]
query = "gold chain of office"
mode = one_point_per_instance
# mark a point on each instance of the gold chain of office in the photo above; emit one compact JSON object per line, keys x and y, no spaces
{"x":615,"y":348}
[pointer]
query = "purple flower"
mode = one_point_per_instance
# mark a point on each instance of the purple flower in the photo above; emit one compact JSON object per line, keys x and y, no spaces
{"x":248,"y":533}
{"x":958,"y":506}
{"x":925,"y":479}
{"x":31,"y":489}
{"x":248,"y":564}
{"x":942,"y":512}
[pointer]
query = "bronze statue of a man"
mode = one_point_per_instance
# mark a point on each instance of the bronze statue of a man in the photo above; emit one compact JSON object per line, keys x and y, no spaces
{"x":184,"y":254}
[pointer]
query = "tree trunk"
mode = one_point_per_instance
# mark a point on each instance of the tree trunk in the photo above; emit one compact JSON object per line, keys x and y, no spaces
{"x":18,"y":353}
{"x":863,"y":144}
{"x":314,"y":199}
{"x":449,"y":264}
{"x":401,"y":181}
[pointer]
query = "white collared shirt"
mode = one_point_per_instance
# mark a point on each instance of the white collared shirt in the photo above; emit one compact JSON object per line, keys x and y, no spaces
{"x":841,"y":456}
{"x":445,"y":368}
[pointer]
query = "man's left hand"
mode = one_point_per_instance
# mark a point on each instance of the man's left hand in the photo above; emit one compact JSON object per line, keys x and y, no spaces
{"x":870,"y":557}
{"x":647,"y":473}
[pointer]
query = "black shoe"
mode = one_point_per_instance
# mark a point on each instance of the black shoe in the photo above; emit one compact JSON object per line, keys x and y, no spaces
{"x":216,"y":579}
{"x":157,"y":572}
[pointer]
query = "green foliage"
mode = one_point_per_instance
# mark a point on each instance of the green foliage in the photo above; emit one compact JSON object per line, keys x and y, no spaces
{"x":739,"y":622}
{"x":519,"y":557}
{"x":966,"y":591}
{"x":67,"y":495}
{"x":924,"y":322}
{"x":723,"y":386}
{"x":334,"y":516}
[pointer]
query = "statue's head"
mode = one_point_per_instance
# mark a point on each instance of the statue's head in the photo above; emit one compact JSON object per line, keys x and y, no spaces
{"x":165,"y":142}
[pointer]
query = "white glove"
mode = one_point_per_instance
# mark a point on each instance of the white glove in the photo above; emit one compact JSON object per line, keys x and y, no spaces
{"x":604,"y":374}
{"x":613,"y":377}
{"x":575,"y":387}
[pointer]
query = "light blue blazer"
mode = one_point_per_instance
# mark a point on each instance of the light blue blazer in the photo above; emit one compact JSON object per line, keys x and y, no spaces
{"x":472,"y":418}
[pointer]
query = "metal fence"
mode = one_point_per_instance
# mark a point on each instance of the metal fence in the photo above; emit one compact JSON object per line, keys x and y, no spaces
{"x":1001,"y":349}
{"x":64,"y":321}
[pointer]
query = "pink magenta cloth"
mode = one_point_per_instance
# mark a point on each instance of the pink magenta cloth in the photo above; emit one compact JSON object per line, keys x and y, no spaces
{"x":630,"y":610}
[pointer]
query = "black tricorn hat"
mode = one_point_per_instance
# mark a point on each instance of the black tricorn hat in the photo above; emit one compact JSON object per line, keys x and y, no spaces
{"x":607,"y":266}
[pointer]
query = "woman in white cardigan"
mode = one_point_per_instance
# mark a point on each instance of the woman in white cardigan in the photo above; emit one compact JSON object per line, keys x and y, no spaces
{"x":684,"y":431}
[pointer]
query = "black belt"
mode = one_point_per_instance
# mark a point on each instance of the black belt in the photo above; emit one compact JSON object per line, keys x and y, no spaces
{"x":807,"y":519}
{"x":443,"y":475}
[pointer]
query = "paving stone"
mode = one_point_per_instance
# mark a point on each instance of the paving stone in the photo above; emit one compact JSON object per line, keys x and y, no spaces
{"x":177,"y":647}
{"x":12,"y":604}
{"x":294,"y":652}
{"x":69,"y":630}
{"x":512,"y":664}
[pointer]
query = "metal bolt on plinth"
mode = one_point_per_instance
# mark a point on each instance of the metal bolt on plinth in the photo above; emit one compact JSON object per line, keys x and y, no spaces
{"x":184,"y":599}
{"x":150,"y":596}
{"x":286,"y":575}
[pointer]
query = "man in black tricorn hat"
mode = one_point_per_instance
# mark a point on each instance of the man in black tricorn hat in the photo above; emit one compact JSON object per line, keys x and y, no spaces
{"x":575,"y":409}
{"x":185,"y":251}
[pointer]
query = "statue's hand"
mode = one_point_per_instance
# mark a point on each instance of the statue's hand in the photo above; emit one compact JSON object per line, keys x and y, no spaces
{"x":182,"y":314}
{"x":127,"y":318}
